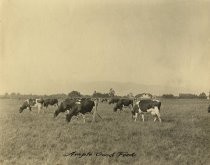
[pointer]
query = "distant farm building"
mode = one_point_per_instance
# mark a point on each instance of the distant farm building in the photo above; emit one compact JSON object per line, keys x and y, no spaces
{"x":143,"y":96}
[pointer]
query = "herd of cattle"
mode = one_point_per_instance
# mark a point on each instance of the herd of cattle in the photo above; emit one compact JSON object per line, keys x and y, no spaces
{"x":74,"y":107}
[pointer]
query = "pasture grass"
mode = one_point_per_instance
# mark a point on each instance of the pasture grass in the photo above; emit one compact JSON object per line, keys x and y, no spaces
{"x":32,"y":138}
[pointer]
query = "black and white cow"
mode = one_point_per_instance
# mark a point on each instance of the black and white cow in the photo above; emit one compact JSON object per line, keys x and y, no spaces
{"x":83,"y":107}
{"x":123,"y":103}
{"x":74,"y":107}
{"x":29,"y":103}
{"x":147,"y":106}
{"x":48,"y":102}
{"x":26,"y":105}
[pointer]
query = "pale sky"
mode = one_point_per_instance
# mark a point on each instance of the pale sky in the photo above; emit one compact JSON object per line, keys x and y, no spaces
{"x":48,"y":45}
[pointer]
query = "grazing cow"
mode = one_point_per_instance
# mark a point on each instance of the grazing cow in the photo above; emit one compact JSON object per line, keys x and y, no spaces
{"x":209,"y":109}
{"x":65,"y":105}
{"x":114,"y":100}
{"x":83,"y":107}
{"x":74,"y":107}
{"x":123,"y":103}
{"x":144,"y":106}
{"x":29,"y":103}
{"x":48,"y":102}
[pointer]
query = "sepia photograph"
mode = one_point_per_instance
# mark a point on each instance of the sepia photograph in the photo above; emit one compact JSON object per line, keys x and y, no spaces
{"x":104,"y":82}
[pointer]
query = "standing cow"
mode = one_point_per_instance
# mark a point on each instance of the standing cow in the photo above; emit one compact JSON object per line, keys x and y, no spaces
{"x":144,"y":106}
{"x":48,"y":102}
{"x":123,"y":103}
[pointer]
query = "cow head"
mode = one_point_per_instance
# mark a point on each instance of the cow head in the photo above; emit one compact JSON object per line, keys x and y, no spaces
{"x":59,"y":109}
{"x":21,"y":109}
{"x":56,"y":113}
{"x":115,"y":109}
{"x":68,"y":117}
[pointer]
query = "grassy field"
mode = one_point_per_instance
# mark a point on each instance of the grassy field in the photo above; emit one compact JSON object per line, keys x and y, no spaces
{"x":32,"y":138}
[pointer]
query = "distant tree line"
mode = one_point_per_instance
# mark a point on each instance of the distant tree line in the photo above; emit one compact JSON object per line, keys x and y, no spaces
{"x":100,"y":95}
{"x":169,"y":96}
{"x":72,"y":94}
{"x":14,"y":95}
{"x":111,"y":93}
{"x":185,"y":96}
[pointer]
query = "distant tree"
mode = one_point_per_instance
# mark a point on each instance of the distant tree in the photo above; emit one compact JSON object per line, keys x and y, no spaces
{"x":6,"y":95}
{"x":202,"y":96}
{"x":187,"y":96}
{"x":168,"y":96}
{"x":74,"y":94}
{"x":13,"y":95}
{"x":100,"y":95}
{"x":111,"y":92}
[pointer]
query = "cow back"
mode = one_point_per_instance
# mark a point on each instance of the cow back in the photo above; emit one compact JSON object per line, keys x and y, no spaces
{"x":87,"y":106}
{"x":144,"y":105}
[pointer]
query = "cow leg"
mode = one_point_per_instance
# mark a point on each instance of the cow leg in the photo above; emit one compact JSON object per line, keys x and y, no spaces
{"x":155,"y":118}
{"x":131,"y":107}
{"x":41,"y":107}
{"x":142,"y":116}
{"x":158,"y":114}
{"x":135,"y":117}
{"x":68,"y":117}
{"x":159,"y":118}
{"x":83,"y":116}
{"x":121,"y":108}
{"x":38,"y":108}
{"x":94,"y":114}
